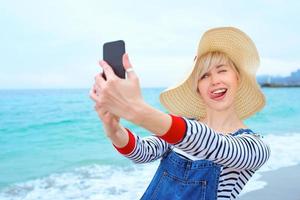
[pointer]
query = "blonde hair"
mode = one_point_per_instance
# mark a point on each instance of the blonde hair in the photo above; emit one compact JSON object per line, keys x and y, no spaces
{"x":209,"y":60}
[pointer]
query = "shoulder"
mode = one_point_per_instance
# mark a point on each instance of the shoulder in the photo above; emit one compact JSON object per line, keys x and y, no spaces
{"x":255,"y":134}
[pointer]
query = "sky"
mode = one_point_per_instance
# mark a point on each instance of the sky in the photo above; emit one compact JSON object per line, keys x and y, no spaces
{"x":58,"y":43}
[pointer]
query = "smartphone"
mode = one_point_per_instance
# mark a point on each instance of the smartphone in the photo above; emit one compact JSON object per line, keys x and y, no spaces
{"x":112,"y":54}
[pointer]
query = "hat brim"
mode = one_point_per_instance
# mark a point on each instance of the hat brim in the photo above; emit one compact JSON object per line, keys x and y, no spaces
{"x":182,"y":100}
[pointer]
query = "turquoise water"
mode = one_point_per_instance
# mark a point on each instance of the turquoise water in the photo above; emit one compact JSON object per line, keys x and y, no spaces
{"x":43,"y":131}
{"x":56,"y":131}
{"x":281,"y":114}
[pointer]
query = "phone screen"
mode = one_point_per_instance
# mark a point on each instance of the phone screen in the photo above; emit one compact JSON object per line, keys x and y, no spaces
{"x":112,"y":54}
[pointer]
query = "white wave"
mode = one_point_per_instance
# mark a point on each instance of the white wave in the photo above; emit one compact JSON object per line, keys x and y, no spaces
{"x":88,"y":183}
{"x":129,"y":183}
{"x":254,"y":184}
{"x":284,"y":153}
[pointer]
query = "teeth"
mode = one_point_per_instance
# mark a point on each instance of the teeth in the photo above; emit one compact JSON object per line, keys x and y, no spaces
{"x":219,"y":91}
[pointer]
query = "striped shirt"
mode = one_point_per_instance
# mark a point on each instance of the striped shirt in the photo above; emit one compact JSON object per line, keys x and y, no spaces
{"x":239,"y":155}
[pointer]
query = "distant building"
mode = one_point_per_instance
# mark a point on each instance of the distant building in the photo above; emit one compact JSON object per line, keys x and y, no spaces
{"x":274,"y":81}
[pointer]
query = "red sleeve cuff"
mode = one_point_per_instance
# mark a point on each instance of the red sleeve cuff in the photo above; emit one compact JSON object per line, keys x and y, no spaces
{"x":177,"y":130}
{"x":129,"y":147}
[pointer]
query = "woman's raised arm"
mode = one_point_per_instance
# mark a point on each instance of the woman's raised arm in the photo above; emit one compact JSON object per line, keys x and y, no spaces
{"x":245,"y":151}
{"x":123,"y":98}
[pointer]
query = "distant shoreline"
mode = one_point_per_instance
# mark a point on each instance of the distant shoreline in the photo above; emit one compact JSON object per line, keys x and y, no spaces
{"x":277,"y":85}
{"x":59,"y":89}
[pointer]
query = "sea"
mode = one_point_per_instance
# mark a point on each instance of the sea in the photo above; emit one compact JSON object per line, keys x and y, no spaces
{"x":53,"y":146}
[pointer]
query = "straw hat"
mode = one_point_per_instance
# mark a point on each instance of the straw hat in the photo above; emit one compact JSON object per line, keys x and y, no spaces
{"x":182,"y":100}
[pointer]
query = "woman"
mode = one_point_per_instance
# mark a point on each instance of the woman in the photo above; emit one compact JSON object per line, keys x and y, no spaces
{"x":206,"y":150}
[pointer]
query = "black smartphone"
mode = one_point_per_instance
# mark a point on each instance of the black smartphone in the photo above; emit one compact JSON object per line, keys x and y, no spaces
{"x":112,"y":54}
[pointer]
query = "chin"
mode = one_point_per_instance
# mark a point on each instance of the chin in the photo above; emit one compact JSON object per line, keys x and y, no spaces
{"x":221,"y":106}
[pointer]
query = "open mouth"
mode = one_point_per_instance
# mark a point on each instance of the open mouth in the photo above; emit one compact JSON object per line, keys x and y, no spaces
{"x":218,"y":94}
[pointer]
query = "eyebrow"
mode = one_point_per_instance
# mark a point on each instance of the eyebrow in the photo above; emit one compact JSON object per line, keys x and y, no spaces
{"x":220,"y":66}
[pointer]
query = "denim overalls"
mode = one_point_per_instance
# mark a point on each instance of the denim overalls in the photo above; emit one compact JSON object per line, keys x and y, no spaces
{"x":178,"y":178}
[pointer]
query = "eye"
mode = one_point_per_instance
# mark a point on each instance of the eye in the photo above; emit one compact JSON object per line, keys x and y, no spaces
{"x":224,"y":70}
{"x":204,"y":76}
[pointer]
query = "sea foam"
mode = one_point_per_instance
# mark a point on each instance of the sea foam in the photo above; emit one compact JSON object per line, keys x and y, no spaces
{"x":129,"y":183}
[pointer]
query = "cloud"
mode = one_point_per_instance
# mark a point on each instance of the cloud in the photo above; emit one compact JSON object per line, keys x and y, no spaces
{"x":65,"y":37}
{"x":277,"y":67}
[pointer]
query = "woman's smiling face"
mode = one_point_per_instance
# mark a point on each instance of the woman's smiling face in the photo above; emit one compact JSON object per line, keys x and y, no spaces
{"x":219,"y":85}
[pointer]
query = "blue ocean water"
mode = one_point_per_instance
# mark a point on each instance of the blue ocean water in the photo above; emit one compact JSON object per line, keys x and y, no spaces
{"x":51,"y":140}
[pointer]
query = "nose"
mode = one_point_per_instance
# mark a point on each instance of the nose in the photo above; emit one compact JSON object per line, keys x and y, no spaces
{"x":214,"y":79}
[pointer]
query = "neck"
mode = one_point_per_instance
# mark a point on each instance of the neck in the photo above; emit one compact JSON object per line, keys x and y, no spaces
{"x":225,"y":121}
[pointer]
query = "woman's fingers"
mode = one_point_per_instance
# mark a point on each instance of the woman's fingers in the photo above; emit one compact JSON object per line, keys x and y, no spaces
{"x":93,"y":94}
{"x":127,"y":65}
{"x":97,"y":89}
{"x":117,"y":95}
{"x":99,"y":80}
{"x":126,"y":61}
{"x":109,"y":73}
{"x":108,"y":118}
{"x":101,"y":112}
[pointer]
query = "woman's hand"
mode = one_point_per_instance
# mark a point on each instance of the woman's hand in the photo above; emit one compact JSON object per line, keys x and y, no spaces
{"x":110,"y":121}
{"x":123,"y":98}
{"x":112,"y":127}
{"x":117,"y":96}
